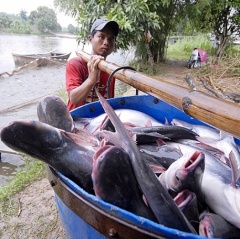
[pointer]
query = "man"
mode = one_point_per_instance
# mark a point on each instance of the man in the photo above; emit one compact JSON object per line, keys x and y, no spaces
{"x":82,"y":77}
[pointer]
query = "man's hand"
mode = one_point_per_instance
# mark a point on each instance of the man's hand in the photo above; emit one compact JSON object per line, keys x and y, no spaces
{"x":93,"y":70}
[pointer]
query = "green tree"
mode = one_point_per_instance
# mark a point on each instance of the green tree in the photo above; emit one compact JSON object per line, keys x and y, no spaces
{"x":137,"y":18}
{"x":45,"y":19}
{"x":221,"y":17}
{"x":23,"y":15}
{"x":71,"y":29}
{"x":5,"y":20}
{"x":33,"y":17}
{"x":21,"y":27}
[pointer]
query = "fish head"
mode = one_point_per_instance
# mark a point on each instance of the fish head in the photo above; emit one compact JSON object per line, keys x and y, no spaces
{"x":206,"y":228}
{"x":185,"y":173}
{"x":52,"y":110}
{"x":25,"y":136}
{"x":110,"y":165}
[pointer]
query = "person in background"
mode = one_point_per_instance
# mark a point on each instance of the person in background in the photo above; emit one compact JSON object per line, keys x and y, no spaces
{"x":82,"y":77}
{"x":195,"y":55}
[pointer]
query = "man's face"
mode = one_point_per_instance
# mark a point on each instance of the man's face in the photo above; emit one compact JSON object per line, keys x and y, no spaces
{"x":103,"y":42}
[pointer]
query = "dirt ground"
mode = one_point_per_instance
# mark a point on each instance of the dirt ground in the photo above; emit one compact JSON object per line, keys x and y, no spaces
{"x":37,"y":216}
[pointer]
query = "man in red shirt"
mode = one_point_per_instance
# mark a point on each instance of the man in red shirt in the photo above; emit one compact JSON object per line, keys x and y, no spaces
{"x":82,"y":77}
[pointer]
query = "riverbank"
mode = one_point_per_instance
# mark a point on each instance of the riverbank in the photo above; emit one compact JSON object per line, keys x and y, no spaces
{"x":32,"y":212}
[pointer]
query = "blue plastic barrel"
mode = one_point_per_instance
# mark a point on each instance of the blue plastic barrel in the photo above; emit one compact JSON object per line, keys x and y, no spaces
{"x":84,"y":215}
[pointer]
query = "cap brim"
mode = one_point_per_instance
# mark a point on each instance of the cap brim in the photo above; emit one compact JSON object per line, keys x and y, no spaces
{"x":111,"y":24}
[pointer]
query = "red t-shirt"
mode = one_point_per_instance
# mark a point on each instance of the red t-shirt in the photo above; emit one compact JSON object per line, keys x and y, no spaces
{"x":77,"y":73}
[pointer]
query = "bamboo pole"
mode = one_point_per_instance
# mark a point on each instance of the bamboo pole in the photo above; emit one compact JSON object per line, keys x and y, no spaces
{"x":219,"y":113}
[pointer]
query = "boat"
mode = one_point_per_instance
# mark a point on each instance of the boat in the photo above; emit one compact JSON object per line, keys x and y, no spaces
{"x":42,"y":59}
{"x":83,"y":215}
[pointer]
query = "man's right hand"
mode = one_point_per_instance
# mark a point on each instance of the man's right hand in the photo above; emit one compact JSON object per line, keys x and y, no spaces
{"x":93,"y":70}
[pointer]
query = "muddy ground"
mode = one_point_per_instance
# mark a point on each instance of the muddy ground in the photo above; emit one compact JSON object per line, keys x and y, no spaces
{"x":36,"y":216}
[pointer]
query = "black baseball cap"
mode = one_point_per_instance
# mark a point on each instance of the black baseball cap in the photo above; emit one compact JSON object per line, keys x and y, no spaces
{"x":99,"y":24}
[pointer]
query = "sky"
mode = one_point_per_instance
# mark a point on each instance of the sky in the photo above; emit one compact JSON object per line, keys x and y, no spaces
{"x":15,"y":6}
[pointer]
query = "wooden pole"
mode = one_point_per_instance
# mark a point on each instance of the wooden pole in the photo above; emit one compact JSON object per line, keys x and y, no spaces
{"x":219,"y":113}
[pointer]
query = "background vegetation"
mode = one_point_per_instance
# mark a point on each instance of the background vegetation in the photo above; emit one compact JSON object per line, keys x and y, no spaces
{"x":147,"y":25}
{"x":41,"y":21}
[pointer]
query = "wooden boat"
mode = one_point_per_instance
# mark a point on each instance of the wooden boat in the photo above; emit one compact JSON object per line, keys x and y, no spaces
{"x":86,"y":215}
{"x":42,"y":59}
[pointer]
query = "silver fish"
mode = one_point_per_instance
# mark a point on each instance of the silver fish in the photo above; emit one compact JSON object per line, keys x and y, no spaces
{"x":228,"y":146}
{"x":216,"y":188}
{"x":185,"y":173}
{"x":127,"y":116}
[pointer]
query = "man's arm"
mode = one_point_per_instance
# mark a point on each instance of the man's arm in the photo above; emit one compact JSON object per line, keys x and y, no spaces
{"x":81,"y":92}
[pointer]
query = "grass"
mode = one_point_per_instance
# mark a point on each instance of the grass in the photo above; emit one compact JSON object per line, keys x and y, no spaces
{"x":63,"y":94}
{"x":183,"y":48}
{"x":32,"y":170}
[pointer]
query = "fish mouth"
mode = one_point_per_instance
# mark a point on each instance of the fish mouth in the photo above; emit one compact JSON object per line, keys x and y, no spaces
{"x":204,"y":227}
{"x":194,"y":160}
{"x":183,"y":198}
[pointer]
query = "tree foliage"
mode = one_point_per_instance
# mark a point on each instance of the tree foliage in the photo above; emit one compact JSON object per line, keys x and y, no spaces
{"x":71,"y":29}
{"x":23,"y":15}
{"x":45,"y":19}
{"x":20,"y":27}
{"x":136,"y":18}
{"x":5,"y":20}
{"x":139,"y":19}
{"x":221,"y":17}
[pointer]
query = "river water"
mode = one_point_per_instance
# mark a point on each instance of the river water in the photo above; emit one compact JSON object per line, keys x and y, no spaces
{"x":29,"y":44}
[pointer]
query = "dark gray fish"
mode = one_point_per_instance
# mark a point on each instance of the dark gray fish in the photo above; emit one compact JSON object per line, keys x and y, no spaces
{"x":167,"y":132}
{"x":214,"y":226}
{"x":115,"y":183}
{"x":52,"y":146}
{"x":159,"y":200}
{"x":52,"y":110}
{"x":156,"y":167}
{"x":163,"y":155}
{"x":188,"y":204}
{"x":201,"y":130}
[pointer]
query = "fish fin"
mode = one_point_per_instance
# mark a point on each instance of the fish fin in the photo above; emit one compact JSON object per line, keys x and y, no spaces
{"x":160,"y":142}
{"x":112,"y":137}
{"x":166,"y":122}
{"x":157,"y":168}
{"x":83,"y":140}
{"x":224,"y":134}
{"x":225,"y":160}
{"x":148,"y":123}
{"x":235,"y":168}
{"x":206,"y":140}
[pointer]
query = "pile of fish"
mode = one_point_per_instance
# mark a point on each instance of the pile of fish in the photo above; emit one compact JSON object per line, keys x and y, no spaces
{"x":179,"y":175}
